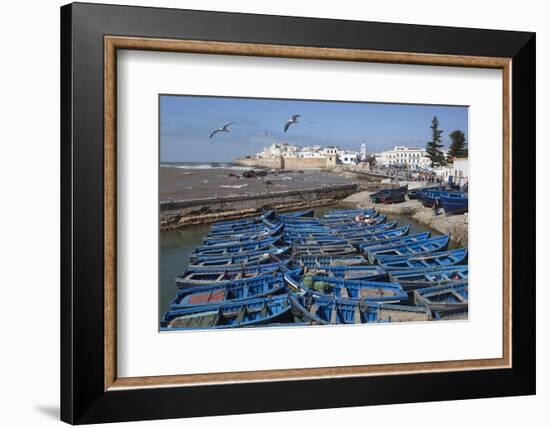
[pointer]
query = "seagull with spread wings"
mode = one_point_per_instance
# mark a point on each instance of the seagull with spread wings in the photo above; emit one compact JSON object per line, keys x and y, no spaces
{"x":224,"y":128}
{"x":293,"y":119}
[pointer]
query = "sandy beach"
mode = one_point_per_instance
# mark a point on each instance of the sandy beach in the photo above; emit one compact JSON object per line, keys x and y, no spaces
{"x":182,"y":183}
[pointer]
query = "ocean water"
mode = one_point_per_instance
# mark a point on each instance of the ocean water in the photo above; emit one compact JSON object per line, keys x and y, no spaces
{"x":177,"y":245}
{"x":204,"y":165}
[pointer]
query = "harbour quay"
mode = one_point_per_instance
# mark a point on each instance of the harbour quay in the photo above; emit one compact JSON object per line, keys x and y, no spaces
{"x":346,"y":266}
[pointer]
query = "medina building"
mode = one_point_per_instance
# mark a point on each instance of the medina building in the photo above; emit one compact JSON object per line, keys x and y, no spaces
{"x":411,"y":157}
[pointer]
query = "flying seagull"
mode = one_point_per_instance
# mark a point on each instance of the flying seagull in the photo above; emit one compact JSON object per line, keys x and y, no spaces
{"x":224,"y":128}
{"x":293,"y":119}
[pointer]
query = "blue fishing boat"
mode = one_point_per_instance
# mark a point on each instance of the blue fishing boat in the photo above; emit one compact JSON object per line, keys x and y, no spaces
{"x":421,"y":278}
{"x":313,"y":240}
{"x":248,"y":313}
{"x":452,"y":297}
{"x":383,"y":194}
{"x":240,"y":229}
{"x":454,"y":202}
{"x":311,"y":261}
{"x":352,"y":224}
{"x":236,"y":247}
{"x":358,"y":231}
{"x":236,"y":262}
{"x":234,"y":291}
{"x":304,"y":213}
{"x":339,"y":214}
{"x":367,"y":272}
{"x":394,"y":195}
{"x":393,"y":241}
{"x":240,"y":256}
{"x":457,"y":202}
{"x":247,"y":221}
{"x":306,"y":228}
{"x":325,"y":237}
{"x":264,"y":264}
{"x":324,"y":250}
{"x":428,"y":197}
{"x":367,"y":238}
{"x":413,"y":194}
{"x":242,"y":237}
{"x":301,"y":223}
{"x":371,"y":291}
{"x":445,"y":258}
{"x":322,"y":311}
{"x":415,"y":249}
{"x":193,"y":279}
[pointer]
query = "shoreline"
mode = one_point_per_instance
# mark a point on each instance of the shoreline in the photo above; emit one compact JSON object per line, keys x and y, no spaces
{"x":178,"y":214}
{"x":299,"y":190}
{"x":190,"y":196}
{"x":456,"y":226}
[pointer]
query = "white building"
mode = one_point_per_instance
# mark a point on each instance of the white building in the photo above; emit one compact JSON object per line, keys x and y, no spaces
{"x":311,"y":152}
{"x":275,"y":150}
{"x":412,"y":157}
{"x":363,"y":152}
{"x":457,"y":172}
{"x":331,"y":153}
{"x":347,"y":157}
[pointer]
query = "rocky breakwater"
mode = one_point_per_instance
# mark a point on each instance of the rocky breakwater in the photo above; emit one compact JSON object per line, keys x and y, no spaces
{"x":177,"y":214}
{"x":454,"y":225}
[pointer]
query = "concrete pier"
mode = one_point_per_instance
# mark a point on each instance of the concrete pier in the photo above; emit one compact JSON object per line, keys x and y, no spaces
{"x":176,"y":214}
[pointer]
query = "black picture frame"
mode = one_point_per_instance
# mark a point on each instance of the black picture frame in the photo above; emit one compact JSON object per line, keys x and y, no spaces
{"x":83,"y":399}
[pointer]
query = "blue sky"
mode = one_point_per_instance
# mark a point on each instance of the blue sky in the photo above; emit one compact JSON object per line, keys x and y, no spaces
{"x":187,"y":121}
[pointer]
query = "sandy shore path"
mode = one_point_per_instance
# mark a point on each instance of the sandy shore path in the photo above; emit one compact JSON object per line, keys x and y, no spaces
{"x":179,"y":183}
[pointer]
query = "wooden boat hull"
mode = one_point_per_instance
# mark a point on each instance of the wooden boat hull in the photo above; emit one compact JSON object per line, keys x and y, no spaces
{"x":192,"y":278}
{"x":375,"y":234}
{"x":255,"y":252}
{"x":260,"y":266}
{"x":454,"y":205}
{"x":384,"y":194}
{"x":338,"y":215}
{"x":232,"y":247}
{"x":312,"y":261}
{"x":351,"y":224}
{"x":238,"y":257}
{"x":370,"y":291}
{"x":415,"y":249}
{"x":236,"y":223}
{"x":235,"y":238}
{"x":392,"y":241}
{"x":324,"y":250}
{"x":236,"y":263}
{"x":231,"y":291}
{"x":326,"y":311}
{"x":314,"y":240}
{"x":445,"y":258}
{"x":249,"y":313}
{"x":304,"y":213}
{"x":423,"y":278}
{"x":443,"y":299}
{"x":367,"y":272}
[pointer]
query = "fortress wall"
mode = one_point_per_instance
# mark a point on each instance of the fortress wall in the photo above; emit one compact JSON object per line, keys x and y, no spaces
{"x":271,"y":163}
{"x":285,"y":163}
{"x":310,"y":163}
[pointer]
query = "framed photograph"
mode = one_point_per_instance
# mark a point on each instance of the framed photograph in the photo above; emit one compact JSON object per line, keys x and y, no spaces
{"x":267,"y":213}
